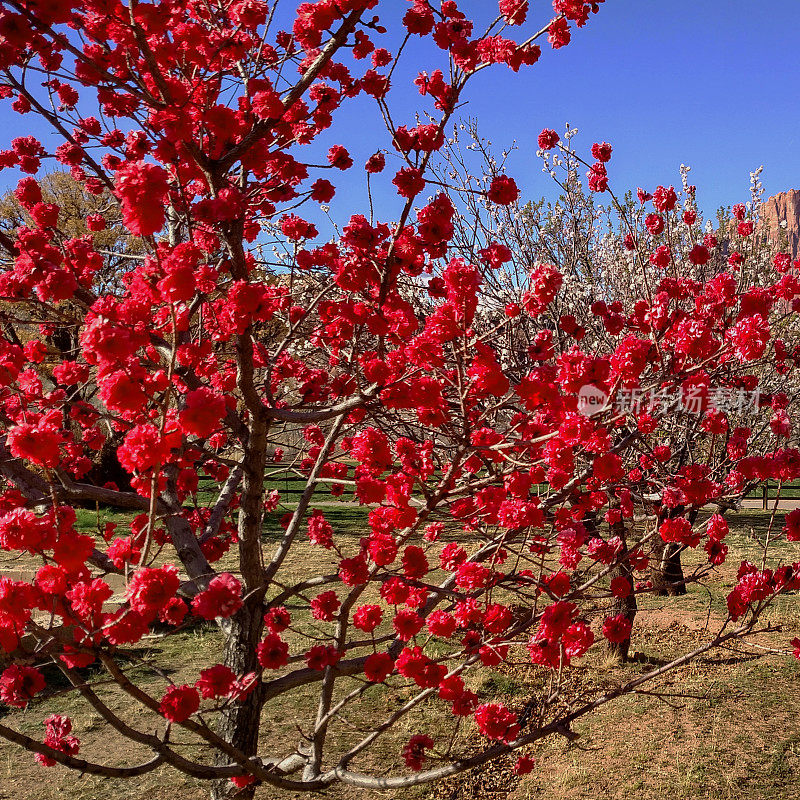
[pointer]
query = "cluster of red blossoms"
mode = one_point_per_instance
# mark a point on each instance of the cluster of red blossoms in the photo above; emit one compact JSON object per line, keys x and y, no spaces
{"x":384,"y":364}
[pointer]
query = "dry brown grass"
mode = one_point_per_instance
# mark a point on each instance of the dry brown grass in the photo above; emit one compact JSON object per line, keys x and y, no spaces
{"x":728,"y":731}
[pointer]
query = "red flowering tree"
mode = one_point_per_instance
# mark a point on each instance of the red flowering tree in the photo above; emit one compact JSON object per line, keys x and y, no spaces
{"x":611,"y":255}
{"x":381,"y":365}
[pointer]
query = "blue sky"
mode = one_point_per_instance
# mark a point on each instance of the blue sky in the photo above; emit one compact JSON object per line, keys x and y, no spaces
{"x":709,"y":83}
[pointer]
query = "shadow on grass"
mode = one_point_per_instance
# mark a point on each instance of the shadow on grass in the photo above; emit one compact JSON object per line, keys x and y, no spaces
{"x":345,"y":521}
{"x":742,"y":659}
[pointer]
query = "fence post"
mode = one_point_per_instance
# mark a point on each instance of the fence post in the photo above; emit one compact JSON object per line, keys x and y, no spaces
{"x":765,"y":497}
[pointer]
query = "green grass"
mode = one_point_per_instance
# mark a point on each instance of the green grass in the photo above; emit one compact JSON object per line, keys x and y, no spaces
{"x":496,"y":686}
{"x":788,"y":491}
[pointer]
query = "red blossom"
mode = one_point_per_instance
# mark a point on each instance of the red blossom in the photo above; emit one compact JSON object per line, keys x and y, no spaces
{"x":142,"y":189}
{"x":325,"y":606}
{"x":414,"y":750}
{"x":216,"y":681}
{"x":277,"y":619}
{"x":179,"y":703}
{"x":378,"y":667}
{"x":497,"y":722}
{"x":222,"y":598}
{"x":150,"y":589}
{"x":548,"y":139}
{"x":39,"y":444}
{"x":321,"y":656}
{"x":272,"y":652}
{"x":617,"y":629}
{"x":367,"y":618}
{"x":559,"y":34}
{"x":202,"y":412}
{"x":503,"y":190}
{"x":18,"y":685}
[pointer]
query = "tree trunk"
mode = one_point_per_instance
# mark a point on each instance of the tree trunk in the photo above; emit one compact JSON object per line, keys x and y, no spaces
{"x":666,"y":571}
{"x":240,"y":724}
{"x":108,"y":469}
{"x":622,"y":605}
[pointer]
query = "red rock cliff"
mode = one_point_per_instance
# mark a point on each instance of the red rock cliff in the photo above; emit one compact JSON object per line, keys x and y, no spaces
{"x":784,"y":207}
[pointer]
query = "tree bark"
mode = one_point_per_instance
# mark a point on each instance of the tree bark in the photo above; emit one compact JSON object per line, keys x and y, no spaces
{"x":622,"y":605}
{"x":666,"y":571}
{"x":240,"y":724}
